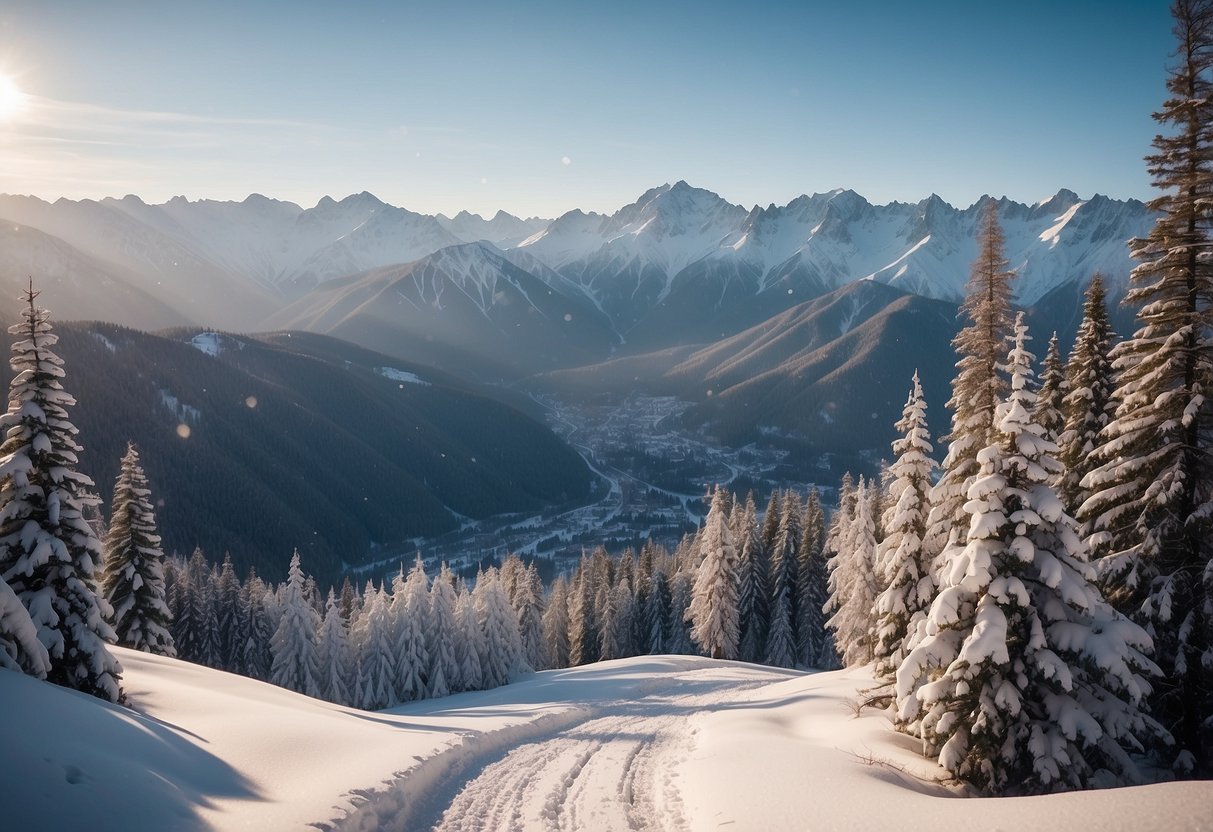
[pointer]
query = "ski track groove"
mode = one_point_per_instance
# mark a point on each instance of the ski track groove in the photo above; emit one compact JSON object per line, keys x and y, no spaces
{"x":613,"y":771}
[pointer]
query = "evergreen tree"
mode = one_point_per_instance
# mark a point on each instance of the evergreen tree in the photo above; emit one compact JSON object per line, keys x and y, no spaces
{"x":470,"y":645}
{"x":256,"y":659}
{"x":814,"y":644}
{"x":910,"y":586}
{"x":753,"y":588}
{"x":1152,"y":500}
{"x":20,"y":649}
{"x":1089,"y":403}
{"x":1038,"y":683}
{"x":781,"y":631}
{"x":348,"y":600}
{"x":444,"y":673}
{"x":854,"y":586}
{"x":713,"y":610}
{"x":657,"y":615}
{"x":332,"y":649}
{"x":502,"y":656}
{"x":48,"y":552}
{"x":979,"y":384}
{"x":228,"y":617}
{"x":770,"y":521}
{"x":132,"y":579}
{"x":1050,"y":399}
{"x":680,"y":641}
{"x":294,"y":643}
{"x":528,"y":609}
{"x":375,"y":651}
{"x":556,"y":624}
{"x":411,"y":606}
{"x":583,"y":631}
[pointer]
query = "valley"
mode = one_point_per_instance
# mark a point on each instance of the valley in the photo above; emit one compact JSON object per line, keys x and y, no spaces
{"x":651,"y":473}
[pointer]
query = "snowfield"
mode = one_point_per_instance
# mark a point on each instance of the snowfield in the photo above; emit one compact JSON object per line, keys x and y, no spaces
{"x":665,"y":743}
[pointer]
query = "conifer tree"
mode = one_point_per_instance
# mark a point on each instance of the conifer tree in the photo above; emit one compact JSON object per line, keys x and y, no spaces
{"x":979,"y":384}
{"x":256,"y":659}
{"x":681,"y":643}
{"x":376,"y":653}
{"x":1038,"y":684}
{"x":1089,"y":403}
{"x":502,"y":657}
{"x":20,"y":649}
{"x":583,"y":631}
{"x":854,"y":586}
{"x":1152,"y":500}
{"x":753,"y":587}
{"x":228,"y":617}
{"x":294,"y":643}
{"x":333,"y":654}
{"x":616,"y":641}
{"x":411,"y":606}
{"x":528,"y":609}
{"x":713,"y":610}
{"x":49,"y":554}
{"x":556,"y":624}
{"x":470,"y":645}
{"x":657,"y":615}
{"x":132,"y":579}
{"x":814,"y":644}
{"x":781,"y":630}
{"x":1050,"y":399}
{"x":910,"y":586}
{"x":443,"y":631}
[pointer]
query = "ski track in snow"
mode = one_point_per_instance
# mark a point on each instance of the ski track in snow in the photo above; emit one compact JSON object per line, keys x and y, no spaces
{"x":617,"y":771}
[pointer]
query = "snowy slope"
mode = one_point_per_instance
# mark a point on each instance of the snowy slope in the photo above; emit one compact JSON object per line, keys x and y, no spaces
{"x":646,"y":743}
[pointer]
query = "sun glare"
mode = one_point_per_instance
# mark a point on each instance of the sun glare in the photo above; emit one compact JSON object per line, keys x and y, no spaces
{"x":11,"y":99}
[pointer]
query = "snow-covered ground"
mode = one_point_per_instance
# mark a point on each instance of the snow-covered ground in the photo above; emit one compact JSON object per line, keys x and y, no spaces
{"x":646,"y":743}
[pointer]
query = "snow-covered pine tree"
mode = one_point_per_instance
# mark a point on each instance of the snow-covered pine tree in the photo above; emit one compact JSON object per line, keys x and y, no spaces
{"x":470,"y":645}
{"x":753,"y":586}
{"x":132,"y":578}
{"x":376,"y":653}
{"x":979,"y":384}
{"x":1152,"y":500}
{"x":1089,"y":404}
{"x":680,"y":641}
{"x":443,"y":632}
{"x":814,"y":646}
{"x":583,"y":629}
{"x":49,"y":554}
{"x":528,"y":609}
{"x":294,"y":643}
{"x":784,"y":582}
{"x":20,"y":649}
{"x":770,"y":521}
{"x":411,"y":606}
{"x":713,"y":610}
{"x":616,"y":636}
{"x":194,"y":626}
{"x":854,"y":585}
{"x":502,"y":657}
{"x":556,"y":624}
{"x":256,"y":660}
{"x":228,"y":617}
{"x":1050,"y":399}
{"x":840,"y":520}
{"x":656,"y":615}
{"x":333,"y":655}
{"x":910,"y":585}
{"x":1038,"y":684}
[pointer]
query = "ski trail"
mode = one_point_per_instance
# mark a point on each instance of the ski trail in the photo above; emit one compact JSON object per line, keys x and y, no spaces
{"x":614,"y":772}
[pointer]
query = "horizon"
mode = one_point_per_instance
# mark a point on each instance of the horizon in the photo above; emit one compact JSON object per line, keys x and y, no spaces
{"x":490,"y":214}
{"x":536,"y":110}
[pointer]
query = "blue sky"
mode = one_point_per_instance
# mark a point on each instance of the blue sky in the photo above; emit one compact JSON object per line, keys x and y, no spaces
{"x":539,"y":107}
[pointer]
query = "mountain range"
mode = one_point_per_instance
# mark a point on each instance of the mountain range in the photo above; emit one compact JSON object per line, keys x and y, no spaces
{"x":505,"y":296}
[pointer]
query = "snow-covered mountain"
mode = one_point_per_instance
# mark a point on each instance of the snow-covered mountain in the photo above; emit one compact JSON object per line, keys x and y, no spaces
{"x":680,"y":265}
{"x":681,"y":253}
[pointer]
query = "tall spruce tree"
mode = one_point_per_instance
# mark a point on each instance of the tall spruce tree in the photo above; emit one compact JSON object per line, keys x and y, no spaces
{"x":1089,"y":403}
{"x":20,"y":649}
{"x":753,"y":589}
{"x":556,"y":624}
{"x":293,"y":646}
{"x":910,"y":586}
{"x":1152,"y":506}
{"x":132,"y":578}
{"x":813,"y":639}
{"x":1050,"y":399}
{"x":781,"y":630}
{"x":49,"y":554}
{"x":1036,"y":683}
{"x":333,"y":666}
{"x":854,"y":585}
{"x":979,"y":384}
{"x":442,"y":633}
{"x":713,"y":610}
